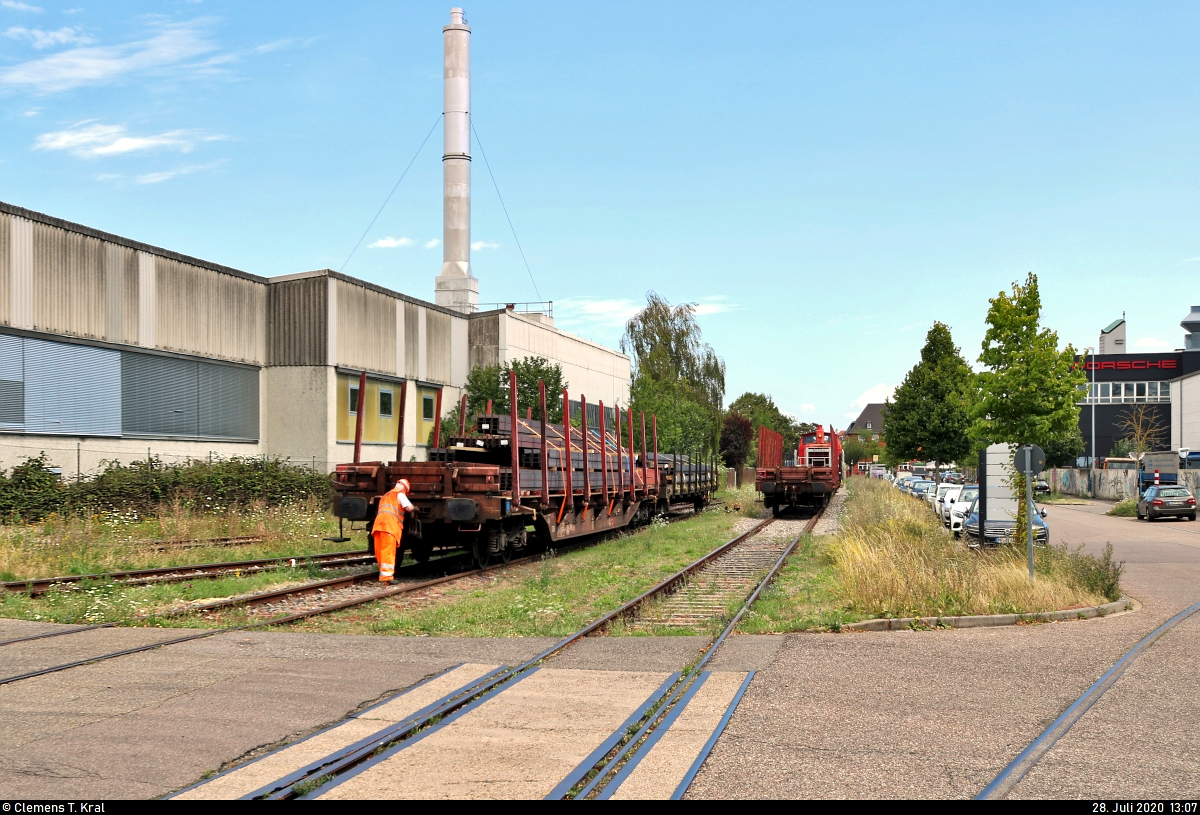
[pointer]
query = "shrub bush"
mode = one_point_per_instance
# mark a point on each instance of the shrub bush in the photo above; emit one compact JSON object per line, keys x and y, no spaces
{"x":31,"y":492}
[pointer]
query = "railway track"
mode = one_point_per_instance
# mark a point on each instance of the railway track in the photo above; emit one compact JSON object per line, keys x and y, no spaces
{"x":175,"y":574}
{"x":597,"y":775}
{"x":283,"y":606}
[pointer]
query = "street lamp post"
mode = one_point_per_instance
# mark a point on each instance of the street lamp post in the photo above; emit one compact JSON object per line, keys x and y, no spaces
{"x":1092,"y":397}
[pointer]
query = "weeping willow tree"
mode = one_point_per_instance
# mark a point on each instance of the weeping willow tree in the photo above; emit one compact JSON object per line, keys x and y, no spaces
{"x":676,"y":375}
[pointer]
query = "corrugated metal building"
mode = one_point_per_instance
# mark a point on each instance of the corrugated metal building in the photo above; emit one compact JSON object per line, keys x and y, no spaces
{"x":113,"y":349}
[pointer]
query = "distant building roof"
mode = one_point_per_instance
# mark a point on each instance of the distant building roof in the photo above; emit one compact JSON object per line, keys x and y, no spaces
{"x":870,"y":419}
{"x":1112,"y":325}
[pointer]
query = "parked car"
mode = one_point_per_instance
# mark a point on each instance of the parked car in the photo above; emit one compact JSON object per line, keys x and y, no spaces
{"x":997,"y":530}
{"x":903,"y":481}
{"x":1167,"y":502}
{"x":945,"y":501}
{"x":960,"y":507}
{"x":919,"y":487}
{"x":934,"y":497}
{"x":1040,"y":487}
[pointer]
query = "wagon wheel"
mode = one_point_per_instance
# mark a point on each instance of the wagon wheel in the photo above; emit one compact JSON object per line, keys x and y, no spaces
{"x":506,"y":553}
{"x":479,"y":551}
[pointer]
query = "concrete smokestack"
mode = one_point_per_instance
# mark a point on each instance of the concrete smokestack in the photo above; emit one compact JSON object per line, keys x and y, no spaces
{"x":456,"y":287}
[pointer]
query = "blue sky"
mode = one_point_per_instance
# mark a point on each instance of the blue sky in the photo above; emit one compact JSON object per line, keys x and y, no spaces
{"x":824,"y":180}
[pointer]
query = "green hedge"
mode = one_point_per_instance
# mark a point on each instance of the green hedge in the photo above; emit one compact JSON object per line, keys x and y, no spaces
{"x":30,"y":492}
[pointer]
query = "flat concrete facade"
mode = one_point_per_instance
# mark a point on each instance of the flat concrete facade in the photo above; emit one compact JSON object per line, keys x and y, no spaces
{"x":305,"y":336}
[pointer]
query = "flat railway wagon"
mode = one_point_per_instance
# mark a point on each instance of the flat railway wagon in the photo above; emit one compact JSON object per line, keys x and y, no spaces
{"x":810,"y":479}
{"x":571,"y":482}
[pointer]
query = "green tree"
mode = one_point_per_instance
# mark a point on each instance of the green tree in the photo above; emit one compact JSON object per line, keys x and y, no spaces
{"x":486,"y":383}
{"x":1029,"y":388}
{"x":676,"y":375}
{"x":761,"y":410}
{"x":929,"y":417}
{"x":1064,"y":450}
{"x":859,"y":448}
{"x":737,"y":434}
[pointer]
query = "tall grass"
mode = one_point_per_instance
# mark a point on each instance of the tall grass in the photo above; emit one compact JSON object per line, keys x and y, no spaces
{"x":110,"y":541}
{"x":893,"y":558}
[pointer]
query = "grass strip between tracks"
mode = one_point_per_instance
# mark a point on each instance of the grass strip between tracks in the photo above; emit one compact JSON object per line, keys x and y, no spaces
{"x":551,"y":597}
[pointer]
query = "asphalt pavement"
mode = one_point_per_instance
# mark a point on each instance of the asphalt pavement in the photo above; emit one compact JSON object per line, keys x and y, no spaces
{"x":940,"y":713}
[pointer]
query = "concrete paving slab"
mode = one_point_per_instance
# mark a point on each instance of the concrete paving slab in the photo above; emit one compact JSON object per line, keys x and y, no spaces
{"x":251,"y":777}
{"x":1139,"y":740}
{"x":23,"y":657}
{"x":517,"y":745}
{"x":36,"y":708}
{"x":631,"y":653}
{"x":12,"y":629}
{"x":939,"y":714}
{"x":661,"y":770}
{"x":747,"y":652}
{"x":425,"y":650}
{"x":177,"y":733}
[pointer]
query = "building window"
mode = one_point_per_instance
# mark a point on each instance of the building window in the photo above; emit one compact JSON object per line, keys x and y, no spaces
{"x":868,"y":425}
{"x":427,"y":408}
{"x":1124,"y":392}
{"x":385,"y":404}
{"x":353,"y":399}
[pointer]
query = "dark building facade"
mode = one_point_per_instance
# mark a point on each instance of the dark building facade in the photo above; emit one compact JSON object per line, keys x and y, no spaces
{"x":1118,"y":382}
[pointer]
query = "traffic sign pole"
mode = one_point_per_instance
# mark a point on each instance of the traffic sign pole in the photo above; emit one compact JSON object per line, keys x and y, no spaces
{"x":1029,"y":504}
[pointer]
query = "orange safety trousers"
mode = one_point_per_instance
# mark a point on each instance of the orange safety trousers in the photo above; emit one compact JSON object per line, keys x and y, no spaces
{"x":386,"y":546}
{"x":388,"y":530}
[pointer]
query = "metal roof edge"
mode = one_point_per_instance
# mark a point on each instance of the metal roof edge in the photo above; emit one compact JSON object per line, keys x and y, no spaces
{"x":71,"y":226}
{"x":375,"y":287}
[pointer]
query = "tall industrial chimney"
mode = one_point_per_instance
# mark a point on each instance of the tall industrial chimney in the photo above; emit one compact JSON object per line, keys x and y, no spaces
{"x":456,"y":287}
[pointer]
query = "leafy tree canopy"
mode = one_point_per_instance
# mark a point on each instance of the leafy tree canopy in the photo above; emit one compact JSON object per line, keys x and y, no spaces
{"x":1028,"y":392}
{"x":676,"y":375}
{"x":761,"y":410}
{"x":929,"y":417}
{"x":737,"y":435}
{"x":491,"y":383}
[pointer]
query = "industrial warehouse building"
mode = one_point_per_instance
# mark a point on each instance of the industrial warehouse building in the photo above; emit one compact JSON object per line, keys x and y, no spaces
{"x":111,"y":349}
{"x":1167,"y":383}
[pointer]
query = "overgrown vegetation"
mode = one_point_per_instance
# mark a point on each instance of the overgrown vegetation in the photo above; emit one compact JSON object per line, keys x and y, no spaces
{"x":31,"y":492}
{"x":1124,"y":509}
{"x":893,"y":559}
{"x":550,"y":598}
{"x":114,"y":541}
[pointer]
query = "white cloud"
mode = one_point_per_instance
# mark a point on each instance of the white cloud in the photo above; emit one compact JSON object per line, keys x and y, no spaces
{"x":430,"y":244}
{"x":31,"y":112}
{"x":1185,"y":260}
{"x":97,"y":65}
{"x":110,"y":177}
{"x":1152,"y":344}
{"x":15,"y":6}
{"x":390,"y":243}
{"x":93,"y":140}
{"x":44,"y":39}
{"x":156,"y":178}
{"x":480,"y":245}
{"x":807,"y":409}
{"x":600,"y":313}
{"x":713,"y":305}
{"x":879,"y":393}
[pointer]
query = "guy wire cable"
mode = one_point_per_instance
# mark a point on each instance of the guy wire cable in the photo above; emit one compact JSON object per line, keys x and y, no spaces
{"x":393,"y":192}
{"x":488,"y":164}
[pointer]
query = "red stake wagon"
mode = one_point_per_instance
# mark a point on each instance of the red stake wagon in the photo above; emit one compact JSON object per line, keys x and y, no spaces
{"x":809,"y":479}
{"x":569,"y":482}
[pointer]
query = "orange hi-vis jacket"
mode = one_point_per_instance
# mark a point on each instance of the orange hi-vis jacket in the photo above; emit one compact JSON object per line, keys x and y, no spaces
{"x":390,"y":517}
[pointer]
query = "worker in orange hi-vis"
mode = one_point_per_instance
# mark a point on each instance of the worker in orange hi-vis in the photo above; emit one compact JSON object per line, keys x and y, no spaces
{"x":388,"y":528}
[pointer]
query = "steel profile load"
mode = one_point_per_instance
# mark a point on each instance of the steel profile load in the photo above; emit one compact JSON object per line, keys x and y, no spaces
{"x":811,"y":476}
{"x":570,"y":482}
